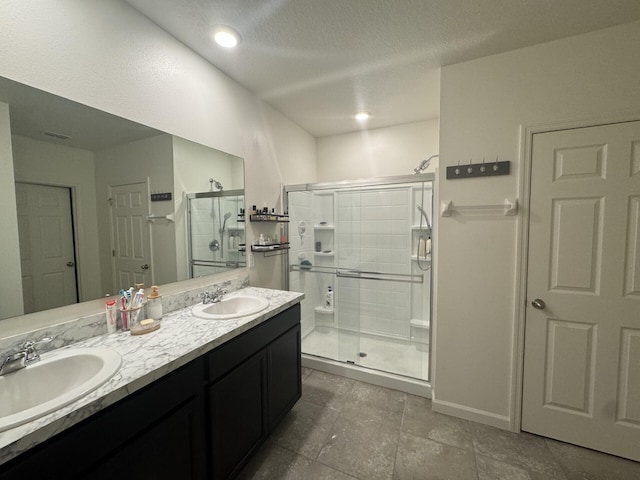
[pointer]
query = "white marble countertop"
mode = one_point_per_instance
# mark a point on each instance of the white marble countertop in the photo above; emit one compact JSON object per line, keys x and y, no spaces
{"x":145,"y":358}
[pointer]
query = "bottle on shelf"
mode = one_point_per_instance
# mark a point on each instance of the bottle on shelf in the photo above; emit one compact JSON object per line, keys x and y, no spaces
{"x":328,"y":301}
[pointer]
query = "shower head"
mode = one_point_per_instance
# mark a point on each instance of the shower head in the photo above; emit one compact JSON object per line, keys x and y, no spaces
{"x":224,"y":224}
{"x":424,"y":164}
{"x":215,"y":183}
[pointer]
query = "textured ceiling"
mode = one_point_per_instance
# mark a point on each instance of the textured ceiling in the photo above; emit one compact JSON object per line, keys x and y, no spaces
{"x":320,"y":61}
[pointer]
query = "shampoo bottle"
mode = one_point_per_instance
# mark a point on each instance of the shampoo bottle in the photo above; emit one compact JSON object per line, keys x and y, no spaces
{"x":328,"y":302}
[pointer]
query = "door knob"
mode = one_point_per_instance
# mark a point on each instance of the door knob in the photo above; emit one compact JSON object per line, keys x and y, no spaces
{"x":70,"y":264}
{"x":539,"y":304}
{"x":145,"y":266}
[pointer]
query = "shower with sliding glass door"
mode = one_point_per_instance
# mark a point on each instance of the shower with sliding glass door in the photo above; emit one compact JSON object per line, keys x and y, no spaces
{"x":361,"y":253}
{"x":215,"y":229}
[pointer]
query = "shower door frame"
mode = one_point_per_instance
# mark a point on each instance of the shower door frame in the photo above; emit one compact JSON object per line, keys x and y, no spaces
{"x":364,"y":183}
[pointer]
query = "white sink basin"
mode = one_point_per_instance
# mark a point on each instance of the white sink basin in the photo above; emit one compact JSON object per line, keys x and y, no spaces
{"x":230,"y":307}
{"x":58,"y":379}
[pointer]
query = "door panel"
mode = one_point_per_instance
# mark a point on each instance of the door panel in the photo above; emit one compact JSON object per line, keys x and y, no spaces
{"x":632,"y":258}
{"x":569,"y":381}
{"x":576,"y":235}
{"x":582,"y":349}
{"x":629,"y":394}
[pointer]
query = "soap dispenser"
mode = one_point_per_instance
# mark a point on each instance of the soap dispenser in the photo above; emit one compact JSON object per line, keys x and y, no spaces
{"x":154,"y":304}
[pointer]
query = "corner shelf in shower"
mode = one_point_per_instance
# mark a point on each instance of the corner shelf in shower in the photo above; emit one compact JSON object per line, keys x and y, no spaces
{"x":324,"y":254}
{"x":324,"y":227}
{"x":323,"y":310}
{"x":427,"y":259}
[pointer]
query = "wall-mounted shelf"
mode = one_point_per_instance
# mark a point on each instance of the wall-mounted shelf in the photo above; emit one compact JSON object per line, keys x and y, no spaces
{"x":324,"y":227}
{"x":509,"y":207}
{"x":270,"y":249}
{"x":269,"y":217}
{"x":169,"y":218}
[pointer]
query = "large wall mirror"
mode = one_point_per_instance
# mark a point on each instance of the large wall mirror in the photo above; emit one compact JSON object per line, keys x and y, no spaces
{"x":102,"y":202}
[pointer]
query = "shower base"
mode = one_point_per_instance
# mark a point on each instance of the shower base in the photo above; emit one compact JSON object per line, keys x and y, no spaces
{"x":392,"y":363}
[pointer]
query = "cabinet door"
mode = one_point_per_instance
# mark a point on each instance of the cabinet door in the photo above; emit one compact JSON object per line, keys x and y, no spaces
{"x":171,"y":449}
{"x":238,"y":422}
{"x":155,"y":433}
{"x":284,"y":374}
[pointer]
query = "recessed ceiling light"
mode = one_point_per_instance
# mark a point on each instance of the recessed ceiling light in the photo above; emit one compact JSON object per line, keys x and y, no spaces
{"x":226,"y":37}
{"x":362,"y":116}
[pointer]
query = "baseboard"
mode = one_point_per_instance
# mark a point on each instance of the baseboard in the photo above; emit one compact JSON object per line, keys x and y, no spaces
{"x":473,"y":414}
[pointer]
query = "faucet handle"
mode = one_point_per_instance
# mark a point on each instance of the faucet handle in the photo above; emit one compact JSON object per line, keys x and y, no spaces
{"x":31,"y":354}
{"x":30,"y":345}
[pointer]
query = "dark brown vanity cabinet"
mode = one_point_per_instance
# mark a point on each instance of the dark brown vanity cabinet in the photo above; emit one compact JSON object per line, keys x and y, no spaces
{"x":202,"y":421}
{"x":254,"y":381}
{"x":155,"y":433}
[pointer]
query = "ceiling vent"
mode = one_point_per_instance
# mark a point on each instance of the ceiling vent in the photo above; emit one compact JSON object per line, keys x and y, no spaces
{"x":60,"y":136}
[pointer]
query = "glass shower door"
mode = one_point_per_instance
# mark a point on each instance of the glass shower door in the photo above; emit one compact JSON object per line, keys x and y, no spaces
{"x":368,"y":243}
{"x":348,"y":264}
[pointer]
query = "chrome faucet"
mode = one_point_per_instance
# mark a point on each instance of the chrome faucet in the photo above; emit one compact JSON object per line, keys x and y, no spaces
{"x":22,"y":358}
{"x":213,"y":297}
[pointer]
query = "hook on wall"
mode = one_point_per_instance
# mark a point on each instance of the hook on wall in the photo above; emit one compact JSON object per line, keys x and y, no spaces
{"x":473,"y":170}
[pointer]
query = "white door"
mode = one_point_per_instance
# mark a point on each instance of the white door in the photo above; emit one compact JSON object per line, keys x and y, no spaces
{"x":582,"y":348}
{"x":130,"y":234}
{"x":47,"y":254}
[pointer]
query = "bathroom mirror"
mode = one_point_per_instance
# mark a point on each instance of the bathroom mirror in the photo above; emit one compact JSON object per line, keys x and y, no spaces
{"x":100,"y":200}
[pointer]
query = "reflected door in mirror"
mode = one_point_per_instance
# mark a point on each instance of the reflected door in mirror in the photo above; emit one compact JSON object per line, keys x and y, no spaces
{"x":47,"y":254}
{"x":130,"y":234}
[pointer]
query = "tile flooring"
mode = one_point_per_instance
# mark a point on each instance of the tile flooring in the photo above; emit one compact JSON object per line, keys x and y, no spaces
{"x":387,"y":354}
{"x":344,"y":429}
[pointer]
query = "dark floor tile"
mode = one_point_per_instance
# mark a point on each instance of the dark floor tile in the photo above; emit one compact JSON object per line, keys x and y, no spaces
{"x":375,"y":404}
{"x":525,"y":451}
{"x":326,"y":389}
{"x":490,"y":469}
{"x":318,"y":471}
{"x":305,"y":428}
{"x":363,"y":450}
{"x":274,"y":462}
{"x":421,"y":459}
{"x":420,"y":420}
{"x":584,"y":464}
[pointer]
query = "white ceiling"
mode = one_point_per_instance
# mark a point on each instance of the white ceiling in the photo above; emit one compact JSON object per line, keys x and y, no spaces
{"x":34,"y":112}
{"x":320,"y":61}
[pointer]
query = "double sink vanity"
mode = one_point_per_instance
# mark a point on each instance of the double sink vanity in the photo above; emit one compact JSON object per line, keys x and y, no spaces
{"x":192,"y":400}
